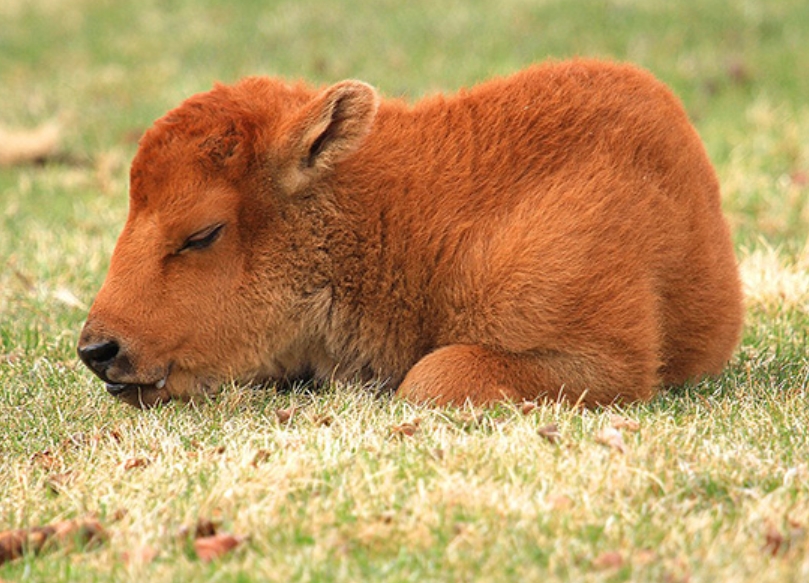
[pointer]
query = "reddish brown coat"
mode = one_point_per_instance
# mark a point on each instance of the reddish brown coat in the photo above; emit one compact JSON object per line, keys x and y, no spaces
{"x":556,"y":234}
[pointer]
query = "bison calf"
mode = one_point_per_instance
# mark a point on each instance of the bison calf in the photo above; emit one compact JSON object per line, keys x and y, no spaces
{"x":554,"y":234}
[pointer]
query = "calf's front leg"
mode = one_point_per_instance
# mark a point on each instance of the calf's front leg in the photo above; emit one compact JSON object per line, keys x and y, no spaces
{"x":462,"y":374}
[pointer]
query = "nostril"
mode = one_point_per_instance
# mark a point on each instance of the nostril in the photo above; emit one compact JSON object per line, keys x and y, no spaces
{"x":96,"y":355}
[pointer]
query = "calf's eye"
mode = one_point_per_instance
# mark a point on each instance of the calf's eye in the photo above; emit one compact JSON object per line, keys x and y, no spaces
{"x":202,"y":239}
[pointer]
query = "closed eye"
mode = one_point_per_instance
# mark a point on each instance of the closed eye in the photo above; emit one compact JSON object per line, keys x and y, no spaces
{"x":202,"y":239}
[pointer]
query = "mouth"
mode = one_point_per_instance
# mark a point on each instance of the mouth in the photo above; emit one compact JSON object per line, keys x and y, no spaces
{"x":119,"y":390}
{"x":140,"y":395}
{"x":116,"y":389}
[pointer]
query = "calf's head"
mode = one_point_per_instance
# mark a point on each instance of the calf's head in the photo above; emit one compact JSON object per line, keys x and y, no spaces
{"x":220,"y":271}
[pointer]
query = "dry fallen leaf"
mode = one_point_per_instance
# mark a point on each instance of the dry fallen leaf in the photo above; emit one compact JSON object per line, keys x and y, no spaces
{"x":409,"y":428}
{"x":800,"y":178}
{"x":619,"y":422}
{"x":471,"y":419}
{"x":608,"y":560}
{"x":12,"y":544}
{"x":213,"y":547}
{"x":645,"y":557}
{"x":58,"y":483}
{"x":322,"y":420}
{"x":142,"y":555}
{"x":261,"y":457}
{"x":561,"y":502}
{"x":612,"y":438}
{"x":285,"y":415}
{"x":528,"y":407}
{"x":46,"y":460}
{"x":83,"y":531}
{"x":774,"y":540}
{"x":119,"y":515}
{"x":115,"y":435}
{"x":550,"y":432}
{"x":203,"y":528}
{"x":136,"y":462}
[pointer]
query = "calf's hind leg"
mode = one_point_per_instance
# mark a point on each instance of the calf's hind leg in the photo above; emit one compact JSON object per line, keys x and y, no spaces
{"x":463,"y":373}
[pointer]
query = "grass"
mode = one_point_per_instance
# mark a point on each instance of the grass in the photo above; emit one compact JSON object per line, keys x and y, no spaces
{"x":713,"y":485}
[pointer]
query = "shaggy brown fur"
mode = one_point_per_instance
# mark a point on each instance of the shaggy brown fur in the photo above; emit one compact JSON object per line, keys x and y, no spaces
{"x":553,"y":234}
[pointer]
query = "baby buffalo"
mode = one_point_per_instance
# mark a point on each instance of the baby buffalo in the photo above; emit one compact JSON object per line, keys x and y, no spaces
{"x":556,"y":234}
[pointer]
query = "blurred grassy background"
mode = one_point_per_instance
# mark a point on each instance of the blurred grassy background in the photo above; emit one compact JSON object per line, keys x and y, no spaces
{"x":118,"y":65}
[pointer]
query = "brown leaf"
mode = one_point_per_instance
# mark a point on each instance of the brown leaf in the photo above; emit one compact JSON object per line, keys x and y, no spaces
{"x":407,"y":429}
{"x":561,"y":502}
{"x":119,"y":515}
{"x":670,"y":577}
{"x":142,"y":555}
{"x":285,"y":415}
{"x":203,"y":528}
{"x":261,"y":457}
{"x":322,"y":420}
{"x":136,"y":462}
{"x":471,"y":419}
{"x":12,"y":544}
{"x":214,"y":547}
{"x":608,"y":560}
{"x":619,"y":422}
{"x":550,"y":432}
{"x":779,"y":541}
{"x":82,"y":531}
{"x":46,"y":459}
{"x":58,"y":483}
{"x":612,"y":438}
{"x":528,"y":407}
{"x":774,"y":540}
{"x":646,"y":557}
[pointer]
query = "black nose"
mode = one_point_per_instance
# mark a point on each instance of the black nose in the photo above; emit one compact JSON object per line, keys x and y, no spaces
{"x":99,"y":357}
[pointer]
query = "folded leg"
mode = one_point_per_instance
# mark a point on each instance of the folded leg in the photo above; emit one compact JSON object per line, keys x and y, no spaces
{"x":459,"y":374}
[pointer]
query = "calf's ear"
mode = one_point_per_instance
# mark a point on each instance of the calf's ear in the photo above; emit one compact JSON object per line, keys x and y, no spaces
{"x":329,"y":128}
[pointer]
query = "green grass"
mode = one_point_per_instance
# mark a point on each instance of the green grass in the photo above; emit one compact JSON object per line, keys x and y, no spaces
{"x":716,"y":475}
